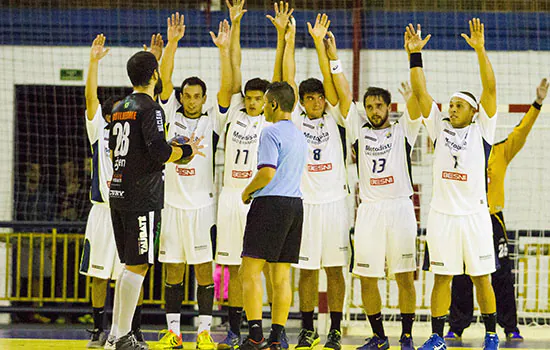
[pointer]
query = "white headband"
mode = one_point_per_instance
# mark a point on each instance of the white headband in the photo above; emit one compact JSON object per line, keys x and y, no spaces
{"x":465,"y":97}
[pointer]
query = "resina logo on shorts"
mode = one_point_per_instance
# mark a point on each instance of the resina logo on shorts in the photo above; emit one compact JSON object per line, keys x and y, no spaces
{"x":143,"y":239}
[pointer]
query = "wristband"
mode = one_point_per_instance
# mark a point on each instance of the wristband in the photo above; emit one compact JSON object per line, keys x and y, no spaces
{"x":416,"y":60}
{"x":536,"y":105}
{"x":335,"y":67}
{"x":187,"y":151}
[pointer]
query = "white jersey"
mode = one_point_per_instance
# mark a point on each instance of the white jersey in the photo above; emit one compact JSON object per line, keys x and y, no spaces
{"x":325,"y":178}
{"x":102,"y":166}
{"x":241,"y":144}
{"x":460,"y":162}
{"x":191,"y":186}
{"x":384,"y":156}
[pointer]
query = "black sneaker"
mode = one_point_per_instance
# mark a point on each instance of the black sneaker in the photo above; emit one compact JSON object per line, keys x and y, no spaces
{"x":250,"y":344}
{"x":307,"y":340}
{"x":334,"y":338}
{"x":128,"y":342}
{"x":139,"y":337}
{"x":98,"y":338}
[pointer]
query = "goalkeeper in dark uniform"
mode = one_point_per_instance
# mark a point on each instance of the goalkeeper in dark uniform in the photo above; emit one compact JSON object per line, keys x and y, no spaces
{"x":139,"y":151}
{"x":462,"y":304}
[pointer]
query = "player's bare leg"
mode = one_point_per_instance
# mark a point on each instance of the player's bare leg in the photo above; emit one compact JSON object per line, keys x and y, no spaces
{"x":441,"y":301}
{"x":282,"y":298}
{"x":372,"y":303}
{"x":308,"y":290}
{"x":487,"y":303}
{"x":235,"y":303}
{"x":250,"y":274}
{"x":336,"y":291}
{"x":407,"y":303}
{"x":99,"y":293}
{"x":205,"y":301}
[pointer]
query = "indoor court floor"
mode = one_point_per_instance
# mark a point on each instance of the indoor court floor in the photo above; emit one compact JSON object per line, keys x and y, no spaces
{"x":63,"y":337}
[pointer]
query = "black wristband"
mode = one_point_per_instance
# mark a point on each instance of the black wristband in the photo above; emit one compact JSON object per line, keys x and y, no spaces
{"x":536,"y":105}
{"x":416,"y":60}
{"x":186,"y":151}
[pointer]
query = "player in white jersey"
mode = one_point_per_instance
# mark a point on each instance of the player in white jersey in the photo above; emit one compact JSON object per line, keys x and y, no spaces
{"x":245,"y":121}
{"x":459,"y":238}
{"x":189,"y":214}
{"x":386,"y":215}
{"x":325,"y":234}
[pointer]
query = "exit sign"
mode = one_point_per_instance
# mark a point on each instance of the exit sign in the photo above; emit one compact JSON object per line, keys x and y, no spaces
{"x":72,"y":74}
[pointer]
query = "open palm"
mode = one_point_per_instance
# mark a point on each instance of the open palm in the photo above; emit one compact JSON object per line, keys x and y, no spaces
{"x":176,"y":27}
{"x":236,"y":11}
{"x":413,"y":40}
{"x":477,"y":34}
{"x":98,"y":50}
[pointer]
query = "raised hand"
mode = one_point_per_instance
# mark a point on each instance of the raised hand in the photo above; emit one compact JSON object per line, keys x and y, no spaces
{"x":330,"y":47}
{"x":290,"y":32}
{"x":176,"y":27}
{"x":542,"y":90}
{"x":224,"y":35}
{"x":236,"y":11}
{"x":319,"y":30}
{"x":477,"y":34}
{"x":157,"y":44}
{"x":282,"y":16}
{"x":405,"y":90}
{"x":98,"y":50}
{"x":413,"y":40}
{"x":195,"y":143}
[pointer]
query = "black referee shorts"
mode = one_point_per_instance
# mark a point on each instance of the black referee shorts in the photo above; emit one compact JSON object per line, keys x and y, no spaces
{"x":135,"y":235}
{"x":274,"y":229}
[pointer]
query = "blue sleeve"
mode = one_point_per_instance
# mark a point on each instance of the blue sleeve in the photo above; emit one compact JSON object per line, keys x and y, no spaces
{"x":268,"y":149}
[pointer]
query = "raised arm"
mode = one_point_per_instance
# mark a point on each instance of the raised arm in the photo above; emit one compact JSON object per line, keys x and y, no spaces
{"x":222,"y":41}
{"x":414,"y":45}
{"x":157,"y":45}
{"x":477,"y":41}
{"x":281,"y":20}
{"x":289,"y":60}
{"x":410,"y":99}
{"x":318,"y":32}
{"x":236,"y":12}
{"x":97,"y":52}
{"x":176,"y":30}
{"x":341,"y":84}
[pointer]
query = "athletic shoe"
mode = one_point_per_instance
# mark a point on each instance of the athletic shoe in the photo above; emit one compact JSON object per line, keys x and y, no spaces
{"x":334,"y":338}
{"x":110,"y":344}
{"x":231,"y":342}
{"x":128,"y":342}
{"x":435,"y":342}
{"x":250,"y":344}
{"x":169,"y":340}
{"x":284,"y":340}
{"x":491,"y":341}
{"x":205,"y":341}
{"x":513,"y":336}
{"x":406,"y":342}
{"x":97,"y":340}
{"x":452,"y":336}
{"x":307,"y":339}
{"x":375,"y":343}
{"x":139,"y":337}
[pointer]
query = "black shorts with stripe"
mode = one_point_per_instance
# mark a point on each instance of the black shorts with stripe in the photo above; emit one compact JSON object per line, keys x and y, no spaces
{"x":136,"y":235}
{"x":273,"y":229}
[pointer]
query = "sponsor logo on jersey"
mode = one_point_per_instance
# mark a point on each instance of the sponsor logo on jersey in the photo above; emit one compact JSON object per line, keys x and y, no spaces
{"x":117,"y":178}
{"x":437,"y":263}
{"x":388,"y":180}
{"x":448,"y":175}
{"x":308,"y":125}
{"x":316,"y":168}
{"x":317,"y":139}
{"x":455,"y":146}
{"x":201,"y":247}
{"x":237,"y":174}
{"x":363,"y":265}
{"x":241,"y":124}
{"x":119,"y":163}
{"x":303,"y":258}
{"x":116,"y":193}
{"x":378,"y":150}
{"x":160,"y":122}
{"x":244,"y":138}
{"x":486,"y":257}
{"x":452,"y":133}
{"x":185,"y":171}
{"x":130,"y":115}
{"x":108,"y":184}
{"x":223,"y":253}
{"x":98,"y":267}
{"x":370,"y":138}
{"x":180,"y":125}
{"x":143,"y":240}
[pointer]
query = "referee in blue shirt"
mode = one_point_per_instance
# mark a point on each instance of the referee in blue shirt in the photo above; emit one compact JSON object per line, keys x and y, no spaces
{"x":273,"y":230}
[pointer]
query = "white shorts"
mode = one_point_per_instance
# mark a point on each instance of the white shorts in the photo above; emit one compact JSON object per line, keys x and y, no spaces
{"x":232,"y":214}
{"x":460,"y":244}
{"x":186,"y":235}
{"x":99,"y":256}
{"x":385,"y":232}
{"x":325,"y":235}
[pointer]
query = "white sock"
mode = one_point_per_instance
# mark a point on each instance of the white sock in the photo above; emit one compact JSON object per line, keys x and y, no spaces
{"x":173,"y":322}
{"x":205,"y":321}
{"x":130,"y":286}
{"x":116,"y":308}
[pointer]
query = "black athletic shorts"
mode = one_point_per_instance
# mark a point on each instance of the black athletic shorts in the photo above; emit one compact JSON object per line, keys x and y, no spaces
{"x":274,"y":229}
{"x":135,"y":235}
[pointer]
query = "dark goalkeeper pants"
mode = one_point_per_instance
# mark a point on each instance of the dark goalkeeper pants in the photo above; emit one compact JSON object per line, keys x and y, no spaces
{"x":462,"y":291}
